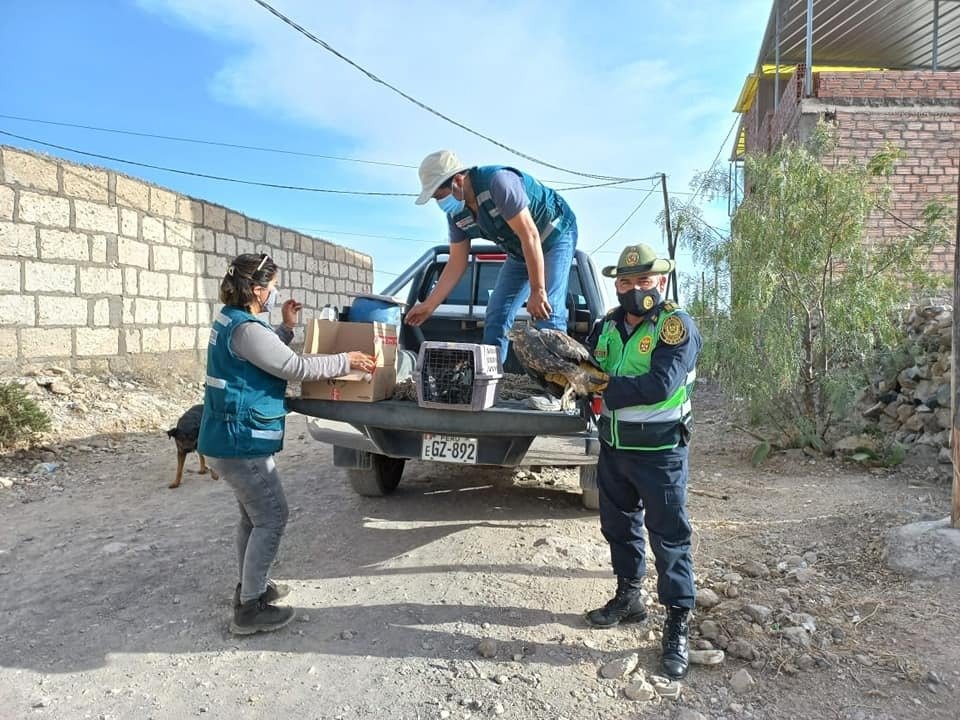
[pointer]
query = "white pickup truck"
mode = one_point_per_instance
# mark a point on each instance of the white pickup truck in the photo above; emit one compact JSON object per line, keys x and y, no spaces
{"x":374,"y":440}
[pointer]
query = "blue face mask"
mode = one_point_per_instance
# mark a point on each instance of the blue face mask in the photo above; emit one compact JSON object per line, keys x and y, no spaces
{"x":450,"y":205}
{"x":267,"y":305}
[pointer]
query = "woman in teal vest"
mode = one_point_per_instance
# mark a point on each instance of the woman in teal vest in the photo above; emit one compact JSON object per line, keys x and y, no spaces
{"x":649,"y":348}
{"x":248,"y":367}
{"x":528,"y":220}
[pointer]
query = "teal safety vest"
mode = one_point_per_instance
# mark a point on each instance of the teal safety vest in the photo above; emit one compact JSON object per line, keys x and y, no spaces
{"x":550,"y":212}
{"x":243,"y":406}
{"x":641,"y":427}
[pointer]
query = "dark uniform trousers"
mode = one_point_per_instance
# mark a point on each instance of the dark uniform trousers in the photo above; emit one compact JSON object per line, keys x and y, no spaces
{"x":640,"y":488}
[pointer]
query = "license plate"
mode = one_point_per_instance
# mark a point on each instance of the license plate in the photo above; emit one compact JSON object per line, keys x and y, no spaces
{"x":449,"y":448}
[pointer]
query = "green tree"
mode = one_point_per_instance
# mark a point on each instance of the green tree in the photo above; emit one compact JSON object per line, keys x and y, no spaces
{"x":812,"y":305}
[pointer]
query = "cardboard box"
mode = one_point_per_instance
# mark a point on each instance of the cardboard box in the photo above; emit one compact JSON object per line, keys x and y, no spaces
{"x":328,"y":337}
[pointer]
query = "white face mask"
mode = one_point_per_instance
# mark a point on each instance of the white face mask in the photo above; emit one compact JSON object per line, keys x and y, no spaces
{"x":271,"y":300}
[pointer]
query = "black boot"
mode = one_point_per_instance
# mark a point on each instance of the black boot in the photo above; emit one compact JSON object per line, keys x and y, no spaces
{"x":675,"y":660}
{"x":274,"y":592}
{"x":624,"y":607}
{"x":258,"y":616}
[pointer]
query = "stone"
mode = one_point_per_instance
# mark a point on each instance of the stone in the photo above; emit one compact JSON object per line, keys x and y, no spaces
{"x":710,"y":629}
{"x":640,"y":691}
{"x":487,"y":648}
{"x":742,"y":682}
{"x":755,"y":569}
{"x":706,"y":657}
{"x":797,"y":636}
{"x":929,"y":549}
{"x":758,"y":613}
{"x":801,"y":575}
{"x":707,"y":598}
{"x":741,"y":648}
{"x":620,"y":667}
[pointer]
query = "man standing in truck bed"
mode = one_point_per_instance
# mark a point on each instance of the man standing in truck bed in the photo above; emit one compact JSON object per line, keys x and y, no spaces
{"x":529,"y":221}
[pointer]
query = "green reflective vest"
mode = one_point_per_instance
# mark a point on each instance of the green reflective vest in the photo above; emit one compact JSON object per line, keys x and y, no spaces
{"x":640,"y":427}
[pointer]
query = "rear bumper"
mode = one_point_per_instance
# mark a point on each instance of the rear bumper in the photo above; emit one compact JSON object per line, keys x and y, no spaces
{"x":507,"y":435}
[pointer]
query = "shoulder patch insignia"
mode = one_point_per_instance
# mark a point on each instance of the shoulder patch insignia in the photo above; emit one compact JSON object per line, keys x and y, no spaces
{"x":673,"y":331}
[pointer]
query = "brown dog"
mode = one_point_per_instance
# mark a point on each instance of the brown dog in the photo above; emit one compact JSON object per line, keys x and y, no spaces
{"x":185,"y":434}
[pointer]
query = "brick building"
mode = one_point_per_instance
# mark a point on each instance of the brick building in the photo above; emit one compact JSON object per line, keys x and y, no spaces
{"x":881,"y":72}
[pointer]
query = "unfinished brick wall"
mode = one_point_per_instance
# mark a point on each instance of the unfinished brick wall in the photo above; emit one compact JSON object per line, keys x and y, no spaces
{"x":100,"y":271}
{"x":917,"y":111}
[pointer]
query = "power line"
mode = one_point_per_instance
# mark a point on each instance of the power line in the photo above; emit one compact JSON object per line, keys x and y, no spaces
{"x":326,"y":46}
{"x":258,"y":183}
{"x":206,"y":175}
{"x":632,"y":213}
{"x":197,"y":141}
{"x":259,"y":148}
{"x":706,"y":175}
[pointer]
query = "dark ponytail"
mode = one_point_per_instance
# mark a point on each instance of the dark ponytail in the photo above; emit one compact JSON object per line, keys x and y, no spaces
{"x":246,"y":272}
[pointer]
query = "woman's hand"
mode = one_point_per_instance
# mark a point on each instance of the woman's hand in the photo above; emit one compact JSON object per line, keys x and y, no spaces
{"x":362,"y":361}
{"x":290,"y":310}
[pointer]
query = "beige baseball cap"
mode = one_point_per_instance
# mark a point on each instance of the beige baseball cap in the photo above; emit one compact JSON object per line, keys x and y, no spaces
{"x":435,"y":170}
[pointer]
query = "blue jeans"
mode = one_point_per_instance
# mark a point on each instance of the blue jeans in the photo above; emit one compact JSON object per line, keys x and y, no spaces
{"x":513,"y":289}
{"x":263,"y":517}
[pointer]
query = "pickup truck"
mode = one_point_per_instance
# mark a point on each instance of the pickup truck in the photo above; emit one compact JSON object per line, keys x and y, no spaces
{"x":374,"y":440}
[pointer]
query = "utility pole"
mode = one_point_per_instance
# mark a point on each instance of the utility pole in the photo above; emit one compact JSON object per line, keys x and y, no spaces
{"x":955,"y":374}
{"x":671,"y":247}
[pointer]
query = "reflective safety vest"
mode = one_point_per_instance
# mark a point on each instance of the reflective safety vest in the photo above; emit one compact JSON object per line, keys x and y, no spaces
{"x":550,"y":212}
{"x":659,"y":426}
{"x":243,"y":406}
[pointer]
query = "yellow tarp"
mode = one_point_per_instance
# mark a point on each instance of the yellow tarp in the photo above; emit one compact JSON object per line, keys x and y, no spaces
{"x":749,"y":92}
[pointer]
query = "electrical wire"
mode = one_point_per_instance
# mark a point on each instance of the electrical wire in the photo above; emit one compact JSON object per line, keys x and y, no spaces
{"x":207,"y":175}
{"x":326,"y":46}
{"x":197,"y":141}
{"x":258,"y":148}
{"x":632,"y":213}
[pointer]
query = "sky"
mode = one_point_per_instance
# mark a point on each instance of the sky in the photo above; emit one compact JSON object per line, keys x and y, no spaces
{"x":621,"y":88}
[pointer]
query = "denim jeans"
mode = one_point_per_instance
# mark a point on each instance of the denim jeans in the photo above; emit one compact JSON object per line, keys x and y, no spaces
{"x":263,"y":517}
{"x":513,"y":289}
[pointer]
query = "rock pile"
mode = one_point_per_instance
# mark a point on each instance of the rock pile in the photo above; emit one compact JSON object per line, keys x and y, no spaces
{"x":911,"y":403}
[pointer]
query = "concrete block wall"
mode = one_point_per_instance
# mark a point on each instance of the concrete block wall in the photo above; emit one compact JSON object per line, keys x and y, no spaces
{"x":99,"y":270}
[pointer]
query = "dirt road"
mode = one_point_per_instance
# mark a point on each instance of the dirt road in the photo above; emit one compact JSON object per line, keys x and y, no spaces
{"x":117,"y":591}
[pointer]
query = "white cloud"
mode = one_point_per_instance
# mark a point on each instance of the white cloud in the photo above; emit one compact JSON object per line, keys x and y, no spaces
{"x":575,"y":86}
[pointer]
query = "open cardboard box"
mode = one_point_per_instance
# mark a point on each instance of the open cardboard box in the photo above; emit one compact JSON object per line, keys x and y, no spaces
{"x":328,"y":337}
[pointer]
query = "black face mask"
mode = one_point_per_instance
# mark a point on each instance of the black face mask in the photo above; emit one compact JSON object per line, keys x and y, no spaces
{"x":639,"y":302}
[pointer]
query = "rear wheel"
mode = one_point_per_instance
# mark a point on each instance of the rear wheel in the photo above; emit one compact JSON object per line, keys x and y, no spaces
{"x":381,"y":478}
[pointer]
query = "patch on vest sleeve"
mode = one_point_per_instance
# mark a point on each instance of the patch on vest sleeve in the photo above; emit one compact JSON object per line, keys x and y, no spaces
{"x":673,"y":331}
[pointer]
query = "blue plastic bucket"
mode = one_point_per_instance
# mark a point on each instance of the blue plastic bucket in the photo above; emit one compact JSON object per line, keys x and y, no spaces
{"x":366,"y":309}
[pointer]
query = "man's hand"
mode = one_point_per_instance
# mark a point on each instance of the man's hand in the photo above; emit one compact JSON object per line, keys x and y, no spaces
{"x":418,"y":314}
{"x":290,"y":310}
{"x":538,"y":306}
{"x":362,"y":361}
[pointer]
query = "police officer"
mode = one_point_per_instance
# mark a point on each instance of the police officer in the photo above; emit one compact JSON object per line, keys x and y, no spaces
{"x":649,"y":347}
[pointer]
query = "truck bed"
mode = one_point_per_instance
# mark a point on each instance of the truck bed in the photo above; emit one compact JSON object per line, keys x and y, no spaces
{"x":506,"y":418}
